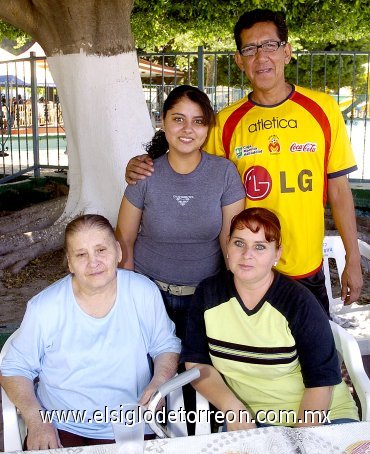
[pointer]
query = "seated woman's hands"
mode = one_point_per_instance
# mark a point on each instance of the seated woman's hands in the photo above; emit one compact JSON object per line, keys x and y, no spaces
{"x":165,"y":366}
{"x":213,"y":387}
{"x":42,"y":435}
{"x":237,"y":417}
{"x":149,"y":391}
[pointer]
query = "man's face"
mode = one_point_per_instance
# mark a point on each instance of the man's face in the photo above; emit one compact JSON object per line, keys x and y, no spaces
{"x":265,"y":70}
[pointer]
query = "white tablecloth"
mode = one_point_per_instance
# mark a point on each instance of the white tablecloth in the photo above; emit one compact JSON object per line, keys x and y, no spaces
{"x":331,"y":439}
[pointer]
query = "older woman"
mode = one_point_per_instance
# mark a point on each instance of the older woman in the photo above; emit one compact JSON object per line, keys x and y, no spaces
{"x":89,"y":338}
{"x":262,"y":341}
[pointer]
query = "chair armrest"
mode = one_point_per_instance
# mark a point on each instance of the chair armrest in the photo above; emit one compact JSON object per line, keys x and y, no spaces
{"x":168,"y":387}
{"x":14,"y":428}
{"x":12,"y":436}
{"x":364,"y":249}
{"x":348,"y":348}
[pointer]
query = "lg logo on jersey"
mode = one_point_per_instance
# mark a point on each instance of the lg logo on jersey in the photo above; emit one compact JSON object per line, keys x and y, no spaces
{"x":258,"y":182}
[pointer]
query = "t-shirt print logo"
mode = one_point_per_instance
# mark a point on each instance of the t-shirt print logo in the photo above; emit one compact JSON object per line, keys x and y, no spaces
{"x":183,"y":199}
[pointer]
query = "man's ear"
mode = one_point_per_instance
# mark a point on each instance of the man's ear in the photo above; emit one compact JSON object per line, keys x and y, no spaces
{"x":287,"y":53}
{"x":239,"y":60}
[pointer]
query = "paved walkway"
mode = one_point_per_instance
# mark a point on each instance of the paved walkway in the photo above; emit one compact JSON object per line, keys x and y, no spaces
{"x":359,"y":319}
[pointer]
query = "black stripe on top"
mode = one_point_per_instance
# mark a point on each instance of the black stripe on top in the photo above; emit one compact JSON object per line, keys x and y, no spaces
{"x":253,"y":355}
{"x":247,"y":348}
{"x":245,"y":359}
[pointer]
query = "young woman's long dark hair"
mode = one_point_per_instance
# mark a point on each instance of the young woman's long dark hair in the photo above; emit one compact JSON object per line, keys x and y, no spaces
{"x":158,"y":146}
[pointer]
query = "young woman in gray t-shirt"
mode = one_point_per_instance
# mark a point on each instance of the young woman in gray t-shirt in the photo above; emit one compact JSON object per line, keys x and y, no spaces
{"x":173,"y":226}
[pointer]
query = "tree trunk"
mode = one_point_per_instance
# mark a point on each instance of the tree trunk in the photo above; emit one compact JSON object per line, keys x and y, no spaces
{"x":93,"y":63}
{"x":106,"y":122}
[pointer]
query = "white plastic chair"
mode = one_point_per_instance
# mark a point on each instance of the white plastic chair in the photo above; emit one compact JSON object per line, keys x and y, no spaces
{"x":333,"y":248}
{"x":15,"y":430}
{"x":346,"y":345}
{"x":13,"y":423}
{"x":349,"y":351}
{"x":172,"y":390}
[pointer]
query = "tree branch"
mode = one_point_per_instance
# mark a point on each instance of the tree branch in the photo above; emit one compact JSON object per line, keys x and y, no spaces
{"x":20,"y":14}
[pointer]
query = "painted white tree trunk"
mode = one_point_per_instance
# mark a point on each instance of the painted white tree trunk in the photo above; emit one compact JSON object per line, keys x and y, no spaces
{"x":106,"y":122}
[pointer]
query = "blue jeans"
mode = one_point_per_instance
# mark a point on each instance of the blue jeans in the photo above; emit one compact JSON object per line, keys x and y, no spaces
{"x":316,"y":284}
{"x":178,"y":310}
{"x":341,"y":421}
{"x":335,"y":421}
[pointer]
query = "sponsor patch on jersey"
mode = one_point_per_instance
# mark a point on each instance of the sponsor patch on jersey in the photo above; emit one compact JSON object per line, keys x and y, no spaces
{"x":308,"y":147}
{"x":257,"y":183}
{"x":274,"y":145}
{"x":246,"y":150}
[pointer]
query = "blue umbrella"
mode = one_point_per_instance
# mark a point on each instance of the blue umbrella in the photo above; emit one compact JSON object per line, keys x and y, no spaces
{"x":11,"y":80}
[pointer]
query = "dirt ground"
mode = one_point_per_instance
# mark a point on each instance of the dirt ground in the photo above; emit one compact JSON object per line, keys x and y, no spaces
{"x":16,"y":290}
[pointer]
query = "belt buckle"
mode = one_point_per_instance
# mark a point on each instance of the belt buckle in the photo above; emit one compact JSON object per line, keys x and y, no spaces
{"x":162,"y":285}
{"x":175,"y":290}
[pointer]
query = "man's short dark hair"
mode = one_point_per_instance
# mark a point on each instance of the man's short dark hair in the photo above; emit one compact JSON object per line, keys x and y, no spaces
{"x":247,"y":20}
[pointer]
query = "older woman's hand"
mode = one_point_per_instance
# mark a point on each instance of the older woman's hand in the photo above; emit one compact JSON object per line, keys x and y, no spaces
{"x":165,"y":366}
{"x":42,"y":435}
{"x":148,"y":392}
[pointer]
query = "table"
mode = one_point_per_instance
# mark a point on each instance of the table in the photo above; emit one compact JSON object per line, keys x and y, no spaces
{"x":331,"y":439}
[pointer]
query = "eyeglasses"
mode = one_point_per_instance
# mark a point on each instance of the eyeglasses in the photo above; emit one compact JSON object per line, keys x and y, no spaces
{"x":269,"y":46}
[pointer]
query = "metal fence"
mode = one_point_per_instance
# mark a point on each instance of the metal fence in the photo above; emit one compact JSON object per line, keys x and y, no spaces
{"x":343,"y":75}
{"x":32,"y":134}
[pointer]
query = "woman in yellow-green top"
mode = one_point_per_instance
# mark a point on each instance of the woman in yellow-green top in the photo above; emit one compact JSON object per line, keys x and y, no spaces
{"x":262,"y":341}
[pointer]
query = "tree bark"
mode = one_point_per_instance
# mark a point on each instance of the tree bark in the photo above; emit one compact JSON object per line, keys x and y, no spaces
{"x":35,"y":217}
{"x":92,"y":60}
{"x":106,"y":122}
{"x":68,"y":26}
{"x":18,"y":250}
{"x":31,"y":232}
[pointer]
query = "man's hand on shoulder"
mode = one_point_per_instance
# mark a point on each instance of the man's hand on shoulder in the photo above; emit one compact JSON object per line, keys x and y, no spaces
{"x":138,"y":168}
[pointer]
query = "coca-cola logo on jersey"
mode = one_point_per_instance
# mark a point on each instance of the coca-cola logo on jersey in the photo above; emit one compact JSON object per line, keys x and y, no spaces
{"x":307,"y":147}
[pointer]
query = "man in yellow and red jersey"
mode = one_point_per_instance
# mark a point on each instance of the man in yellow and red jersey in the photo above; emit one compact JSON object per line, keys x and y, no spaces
{"x":292,"y":151}
{"x":286,"y":155}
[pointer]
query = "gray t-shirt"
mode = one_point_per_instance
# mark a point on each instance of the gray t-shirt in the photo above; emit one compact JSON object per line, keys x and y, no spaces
{"x":182,"y":219}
